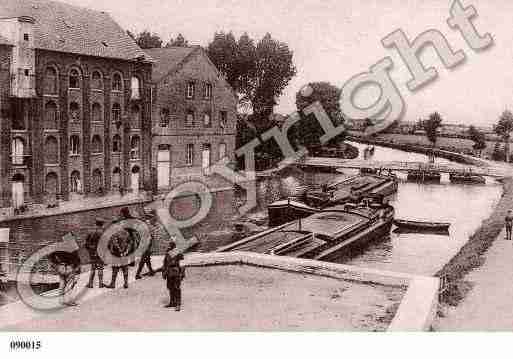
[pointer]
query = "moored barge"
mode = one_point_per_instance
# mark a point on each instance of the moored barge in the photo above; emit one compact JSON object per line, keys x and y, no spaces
{"x":325,"y":235}
{"x":339,"y":192}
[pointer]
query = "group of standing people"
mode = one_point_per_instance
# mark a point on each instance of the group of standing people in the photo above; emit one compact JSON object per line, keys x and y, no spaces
{"x":123,"y":244}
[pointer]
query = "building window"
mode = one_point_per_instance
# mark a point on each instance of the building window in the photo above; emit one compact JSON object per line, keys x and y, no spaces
{"x":222,"y":151}
{"x":116,"y":143}
{"x":208,"y":91}
{"x":74,"y":79}
{"x":51,"y":122}
{"x":96,"y":144}
{"x":136,"y":117}
{"x":189,"y":160}
{"x":50,"y":81}
{"x":116,"y":113}
{"x":96,"y":112}
{"x":164,"y":117}
{"x":206,"y":119}
{"x":222,"y":119}
{"x":189,"y":119}
{"x":136,"y":88}
{"x":26,"y":37}
{"x":51,"y":152}
{"x":96,"y":81}
{"x":135,"y":144}
{"x":205,"y":158}
{"x":117,"y":83}
{"x":116,"y":178}
{"x":17,"y":150}
{"x":74,"y":111}
{"x":74,"y":145}
{"x":20,"y":116}
{"x":75,"y":183}
{"x":190,"y":90}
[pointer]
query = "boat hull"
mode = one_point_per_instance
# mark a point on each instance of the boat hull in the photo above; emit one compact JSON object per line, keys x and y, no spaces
{"x":421,"y":226}
{"x":280,"y":214}
{"x":354,"y":244}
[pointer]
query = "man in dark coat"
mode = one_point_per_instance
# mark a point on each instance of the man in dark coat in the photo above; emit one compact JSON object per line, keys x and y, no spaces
{"x":119,"y":247}
{"x":150,"y":218}
{"x":91,"y":244}
{"x":122,"y":244}
{"x":173,"y":274}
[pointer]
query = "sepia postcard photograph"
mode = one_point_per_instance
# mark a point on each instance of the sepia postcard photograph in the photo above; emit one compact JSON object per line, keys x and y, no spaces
{"x":249,"y":166}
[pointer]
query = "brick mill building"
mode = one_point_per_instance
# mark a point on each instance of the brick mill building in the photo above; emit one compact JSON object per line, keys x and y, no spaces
{"x":194,"y":118}
{"x":75,"y":105}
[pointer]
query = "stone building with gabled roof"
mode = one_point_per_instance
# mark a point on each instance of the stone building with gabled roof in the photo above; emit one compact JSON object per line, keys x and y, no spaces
{"x":75,"y":106}
{"x":194,"y":117}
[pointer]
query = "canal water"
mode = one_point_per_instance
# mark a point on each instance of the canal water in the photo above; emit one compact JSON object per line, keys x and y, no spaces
{"x":464,"y":206}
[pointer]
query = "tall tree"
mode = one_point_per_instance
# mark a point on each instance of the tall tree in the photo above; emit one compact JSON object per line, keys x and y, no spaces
{"x":245,"y":66}
{"x":147,"y":40}
{"x":431,"y":126}
{"x":504,"y":128}
{"x":274,"y":70}
{"x":478,"y":138}
{"x":222,"y":51}
{"x":180,"y":41}
{"x":258,"y":73}
{"x":308,"y":130}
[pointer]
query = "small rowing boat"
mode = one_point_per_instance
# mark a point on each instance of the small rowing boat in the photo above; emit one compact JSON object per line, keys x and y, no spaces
{"x":420,"y":225}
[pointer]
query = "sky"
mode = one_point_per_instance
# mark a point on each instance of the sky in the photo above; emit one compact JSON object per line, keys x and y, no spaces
{"x":333,"y":40}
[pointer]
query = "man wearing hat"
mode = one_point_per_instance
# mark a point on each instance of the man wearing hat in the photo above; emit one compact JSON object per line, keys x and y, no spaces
{"x":91,"y":243}
{"x":173,"y":273}
{"x":509,"y":224}
{"x":150,"y":218}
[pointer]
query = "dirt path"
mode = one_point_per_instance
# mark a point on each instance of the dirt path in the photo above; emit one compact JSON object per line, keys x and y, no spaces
{"x":228,"y":298}
{"x":489,"y":304}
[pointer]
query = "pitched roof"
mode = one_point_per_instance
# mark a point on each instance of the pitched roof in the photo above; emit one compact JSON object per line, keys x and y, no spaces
{"x":4,"y":41}
{"x":166,"y":59}
{"x":67,"y":28}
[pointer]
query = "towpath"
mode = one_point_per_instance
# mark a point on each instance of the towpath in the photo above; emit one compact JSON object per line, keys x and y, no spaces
{"x":489,"y":304}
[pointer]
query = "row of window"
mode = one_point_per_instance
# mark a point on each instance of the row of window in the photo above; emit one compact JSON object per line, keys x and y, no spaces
{"x":190,"y":91}
{"x":97,"y":181}
{"x":51,"y":114}
{"x":51,"y":148}
{"x":51,"y":82}
{"x":206,"y":152}
{"x":190,"y":118}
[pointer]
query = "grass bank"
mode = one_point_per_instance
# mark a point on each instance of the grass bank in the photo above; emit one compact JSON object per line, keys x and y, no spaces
{"x":471,"y":255}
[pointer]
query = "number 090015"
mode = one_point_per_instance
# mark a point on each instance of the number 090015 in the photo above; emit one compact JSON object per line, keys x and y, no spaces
{"x":25,"y":345}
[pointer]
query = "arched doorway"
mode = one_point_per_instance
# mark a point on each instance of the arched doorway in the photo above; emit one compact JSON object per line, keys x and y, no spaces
{"x":97,"y":182}
{"x":134,"y":179}
{"x":75,"y":182}
{"x":116,"y":179}
{"x":18,"y":190}
{"x":51,"y":187}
